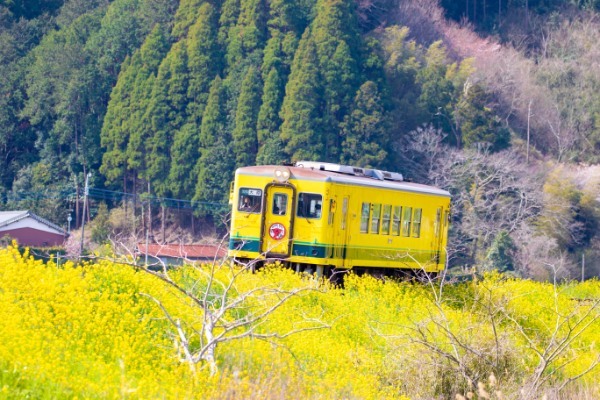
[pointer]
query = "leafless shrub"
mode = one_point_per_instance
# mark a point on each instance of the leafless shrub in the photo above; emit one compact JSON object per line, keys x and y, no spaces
{"x":539,"y":257}
{"x":225,"y":312}
{"x":491,"y":192}
{"x":452,"y":360}
{"x":424,"y":18}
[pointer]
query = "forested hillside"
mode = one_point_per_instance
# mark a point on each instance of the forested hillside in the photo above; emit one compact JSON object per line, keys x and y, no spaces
{"x":161,"y":100}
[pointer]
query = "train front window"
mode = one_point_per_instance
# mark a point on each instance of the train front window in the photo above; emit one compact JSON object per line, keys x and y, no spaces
{"x":249,"y":200}
{"x":279,"y":204}
{"x":310,"y":205}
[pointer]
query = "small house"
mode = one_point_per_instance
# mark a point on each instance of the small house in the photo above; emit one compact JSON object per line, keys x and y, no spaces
{"x":30,"y":230}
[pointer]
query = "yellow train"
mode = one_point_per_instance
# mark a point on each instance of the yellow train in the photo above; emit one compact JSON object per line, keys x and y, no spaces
{"x":323,"y":217}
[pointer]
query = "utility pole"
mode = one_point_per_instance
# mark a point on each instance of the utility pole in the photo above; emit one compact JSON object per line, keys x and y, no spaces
{"x":85,"y":200}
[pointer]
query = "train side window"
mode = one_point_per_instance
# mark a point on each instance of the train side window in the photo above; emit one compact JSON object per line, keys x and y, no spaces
{"x":385,"y":221}
{"x":249,"y":200}
{"x":280,"y":204}
{"x":309,"y":205}
{"x":396,"y":221}
{"x":364,"y":217}
{"x":406,"y":219}
{"x":375,"y":218}
{"x":416,"y":224}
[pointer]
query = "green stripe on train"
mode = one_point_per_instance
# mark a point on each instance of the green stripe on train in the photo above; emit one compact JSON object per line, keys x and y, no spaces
{"x":244,"y":244}
{"x":321,"y":250}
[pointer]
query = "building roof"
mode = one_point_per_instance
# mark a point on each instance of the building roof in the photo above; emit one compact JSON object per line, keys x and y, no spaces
{"x":10,"y":217}
{"x":189,"y":251}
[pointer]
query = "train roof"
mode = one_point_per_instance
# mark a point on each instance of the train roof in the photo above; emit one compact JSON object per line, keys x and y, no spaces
{"x":327,"y":172}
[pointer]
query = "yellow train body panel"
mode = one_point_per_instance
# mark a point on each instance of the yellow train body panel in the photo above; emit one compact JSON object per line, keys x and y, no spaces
{"x":337,"y":216}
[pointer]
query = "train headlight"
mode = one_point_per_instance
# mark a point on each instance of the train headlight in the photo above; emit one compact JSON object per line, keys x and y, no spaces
{"x":282,"y":174}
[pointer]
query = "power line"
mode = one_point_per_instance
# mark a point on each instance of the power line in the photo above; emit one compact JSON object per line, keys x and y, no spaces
{"x":115,"y":196}
{"x":163,"y":201}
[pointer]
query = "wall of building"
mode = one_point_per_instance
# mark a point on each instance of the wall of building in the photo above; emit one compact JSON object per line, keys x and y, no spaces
{"x":34,"y":237}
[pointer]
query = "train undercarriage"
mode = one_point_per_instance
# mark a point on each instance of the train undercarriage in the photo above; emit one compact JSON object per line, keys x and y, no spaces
{"x":336,"y":275}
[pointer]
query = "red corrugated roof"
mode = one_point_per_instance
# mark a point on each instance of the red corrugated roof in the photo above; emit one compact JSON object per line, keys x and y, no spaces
{"x":190,"y":251}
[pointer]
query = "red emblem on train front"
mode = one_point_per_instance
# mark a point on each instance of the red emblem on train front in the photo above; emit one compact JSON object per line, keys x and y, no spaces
{"x":277,"y":231}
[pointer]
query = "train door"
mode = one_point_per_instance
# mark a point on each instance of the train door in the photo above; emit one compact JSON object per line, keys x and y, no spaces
{"x":438,"y":236}
{"x":278,"y":220}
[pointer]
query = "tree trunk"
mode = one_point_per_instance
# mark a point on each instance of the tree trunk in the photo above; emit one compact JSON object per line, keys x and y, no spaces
{"x":77,"y":200}
{"x":193,"y":225}
{"x":125,"y":192}
{"x":134,"y":191}
{"x":209,"y":351}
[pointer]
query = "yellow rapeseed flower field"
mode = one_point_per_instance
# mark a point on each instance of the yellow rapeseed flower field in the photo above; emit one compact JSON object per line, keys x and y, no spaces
{"x":97,"y":331}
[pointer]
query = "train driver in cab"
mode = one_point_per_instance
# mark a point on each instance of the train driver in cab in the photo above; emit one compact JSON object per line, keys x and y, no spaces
{"x":246,"y":205}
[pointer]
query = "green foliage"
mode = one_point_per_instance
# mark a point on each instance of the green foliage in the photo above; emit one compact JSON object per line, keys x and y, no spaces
{"x":478,"y":122}
{"x":186,"y":14}
{"x":123,"y":29}
{"x":114,"y":133}
{"x":270,"y":148}
{"x":365,"y":129}
{"x":437,"y":92}
{"x":165,"y":113}
{"x":215,"y":171}
{"x":59,"y":92}
{"x":184,"y":156}
{"x":123,"y":86}
{"x":32,"y":8}
{"x":36,"y":189}
{"x":213,"y":121}
{"x":570,"y":215}
{"x":145,"y":67}
{"x":216,"y":163}
{"x":500,"y":255}
{"x":401,"y":65}
{"x":244,"y":135}
{"x":230,"y":10}
{"x":279,"y":52}
{"x":248,"y":34}
{"x":290,"y":15}
{"x":301,"y":128}
{"x":100,"y":227}
{"x":204,"y":62}
{"x":334,"y":32}
{"x":17,"y":136}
